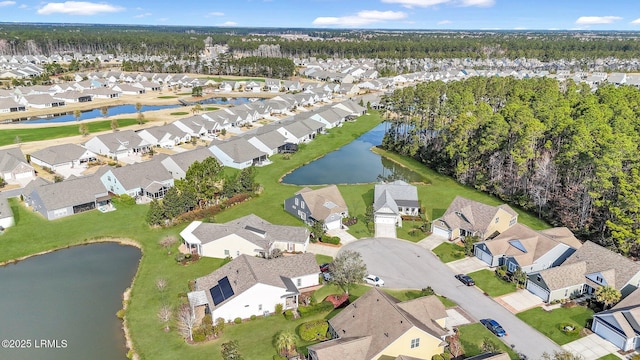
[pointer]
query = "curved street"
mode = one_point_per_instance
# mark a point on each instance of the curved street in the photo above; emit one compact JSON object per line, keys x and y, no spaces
{"x":402,"y":264}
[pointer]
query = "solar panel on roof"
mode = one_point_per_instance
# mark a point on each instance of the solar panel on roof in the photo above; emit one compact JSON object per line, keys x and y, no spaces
{"x":216,"y":294}
{"x":225,"y":287}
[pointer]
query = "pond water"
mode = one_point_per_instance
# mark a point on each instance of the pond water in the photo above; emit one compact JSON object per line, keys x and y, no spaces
{"x":352,"y":164}
{"x":63,"y":305}
{"x":228,"y":101}
{"x":92,"y":114}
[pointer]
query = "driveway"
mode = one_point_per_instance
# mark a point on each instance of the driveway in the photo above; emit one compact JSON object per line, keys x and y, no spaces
{"x":520,"y":300}
{"x":402,"y":264}
{"x":592,"y":347}
{"x":385,"y":230}
{"x":467,"y":265}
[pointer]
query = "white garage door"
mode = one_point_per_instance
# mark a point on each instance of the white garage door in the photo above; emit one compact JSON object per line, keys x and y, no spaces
{"x":333,"y":224}
{"x":483,"y":256}
{"x":608,"y":334}
{"x":441,"y":232}
{"x":24,"y":175}
{"x":538,"y":291}
{"x":385,"y":220}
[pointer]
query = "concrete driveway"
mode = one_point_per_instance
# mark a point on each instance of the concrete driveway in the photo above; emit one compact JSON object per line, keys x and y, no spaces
{"x":520,"y":300}
{"x":403,"y":264}
{"x":592,"y":347}
{"x":385,"y":230}
{"x":467,"y":265}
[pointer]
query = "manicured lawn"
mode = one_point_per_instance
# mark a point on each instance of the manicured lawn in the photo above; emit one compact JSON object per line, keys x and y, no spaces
{"x":178,"y":113}
{"x":491,"y":284}
{"x":472,"y":336}
{"x":411,"y":231}
{"x":448,"y":252}
{"x":8,"y":136}
{"x":609,"y":357}
{"x":167,"y":97}
{"x":323,"y":259}
{"x":549,"y":322}
{"x":404,"y":295}
{"x":221,"y":79}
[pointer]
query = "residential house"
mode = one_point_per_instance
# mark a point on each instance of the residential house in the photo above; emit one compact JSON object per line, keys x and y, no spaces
{"x":253,"y":86}
{"x":465,"y":217}
{"x":128,"y":89}
{"x":178,"y":164}
{"x":587,"y":269}
{"x":193,"y":125}
{"x":40,"y":101}
{"x":237,"y":153}
{"x":73,"y":97}
{"x":378,"y":326}
{"x":621,"y":324}
{"x":249,"y":235}
{"x":166,"y":136}
{"x":272,"y":85}
{"x":520,"y":247}
{"x":14,"y":166}
{"x":103,"y":93}
{"x":249,"y":286}
{"x":270,"y":142}
{"x":8,"y":105}
{"x":62,"y":157}
{"x":325,"y":204}
{"x":69,"y":197}
{"x":6,"y":215}
{"x":148,"y":179}
{"x":117,"y":144}
{"x":393,"y":200}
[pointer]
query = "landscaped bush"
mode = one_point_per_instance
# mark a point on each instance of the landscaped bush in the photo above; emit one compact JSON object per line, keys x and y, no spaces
{"x":569,"y":328}
{"x":350,"y":221}
{"x":314,"y":309}
{"x":279,"y":308}
{"x":237,"y":320}
{"x":288,"y":314}
{"x":313,"y":330}
{"x":253,"y":317}
{"x":120,"y":314}
{"x":331,"y":240}
{"x":199,"y":335}
{"x":279,"y":357}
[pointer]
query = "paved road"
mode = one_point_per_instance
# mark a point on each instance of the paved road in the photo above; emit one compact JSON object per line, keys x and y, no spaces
{"x":402,"y":264}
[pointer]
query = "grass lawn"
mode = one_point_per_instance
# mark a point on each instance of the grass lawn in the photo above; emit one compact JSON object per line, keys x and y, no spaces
{"x":549,"y":322}
{"x":221,"y":79}
{"x":178,"y":113}
{"x":472,"y":336}
{"x":8,"y":136}
{"x":448,"y":252}
{"x":323,"y":259}
{"x":167,"y":97}
{"x":491,"y":284}
{"x":609,"y":357}
{"x":411,"y":231}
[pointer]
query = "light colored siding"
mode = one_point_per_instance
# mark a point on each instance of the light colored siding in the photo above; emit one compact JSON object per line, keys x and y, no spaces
{"x":248,"y":303}
{"x":232,"y":242}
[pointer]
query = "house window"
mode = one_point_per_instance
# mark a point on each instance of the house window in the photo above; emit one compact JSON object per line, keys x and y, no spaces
{"x":512,"y":222}
{"x":296,"y":201}
{"x":299,"y":282}
{"x":599,"y":279}
{"x":226,"y":253}
{"x":303,"y":216}
{"x":260,"y":307}
{"x":415,"y":343}
{"x":238,"y":253}
{"x":497,"y":220}
{"x":302,"y":204}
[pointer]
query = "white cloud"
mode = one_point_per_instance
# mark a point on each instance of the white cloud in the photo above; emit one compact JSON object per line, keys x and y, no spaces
{"x":363,"y":17}
{"x":7,"y":3}
{"x":416,"y":3}
{"x":594,"y":20}
{"x":164,"y":19}
{"x":215,"y":13}
{"x":229,"y":23}
{"x":78,"y":8}
{"x":478,"y":3}
{"x":444,"y":22}
{"x":23,"y":6}
{"x":636,"y":21}
{"x":142,"y":15}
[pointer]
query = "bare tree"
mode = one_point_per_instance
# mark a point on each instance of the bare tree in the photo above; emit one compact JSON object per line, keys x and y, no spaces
{"x":164,"y":314}
{"x":186,"y":322}
{"x":167,"y":242}
{"x":161,"y":284}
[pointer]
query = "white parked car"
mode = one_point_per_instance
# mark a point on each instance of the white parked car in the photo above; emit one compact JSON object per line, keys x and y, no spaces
{"x":373,"y":280}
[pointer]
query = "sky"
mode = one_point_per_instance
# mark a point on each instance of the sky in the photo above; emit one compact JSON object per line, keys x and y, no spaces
{"x":347,"y":14}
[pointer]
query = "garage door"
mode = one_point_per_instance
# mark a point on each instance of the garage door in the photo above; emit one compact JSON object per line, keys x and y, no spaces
{"x":333,"y":224}
{"x":483,"y":256}
{"x":608,"y":334}
{"x":24,"y":175}
{"x":385,"y":220}
{"x":441,"y":232}
{"x":538,"y":291}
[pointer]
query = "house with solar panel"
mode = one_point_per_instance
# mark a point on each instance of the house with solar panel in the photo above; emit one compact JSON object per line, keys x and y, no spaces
{"x":250,"y":285}
{"x":248,"y":235}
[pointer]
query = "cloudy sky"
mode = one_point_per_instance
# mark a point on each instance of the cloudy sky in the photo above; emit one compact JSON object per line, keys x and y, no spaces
{"x":369,"y":14}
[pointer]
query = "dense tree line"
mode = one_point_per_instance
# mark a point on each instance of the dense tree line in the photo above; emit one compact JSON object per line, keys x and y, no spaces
{"x":559,"y":149}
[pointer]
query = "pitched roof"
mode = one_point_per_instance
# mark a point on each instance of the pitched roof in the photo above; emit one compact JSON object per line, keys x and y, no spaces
{"x":76,"y":191}
{"x":128,"y":139}
{"x":323,"y":202}
{"x":563,"y":276}
{"x":469,"y":214}
{"x":397,"y":193}
{"x":11,"y":158}
{"x":141,"y":174}
{"x":239,"y":149}
{"x":186,"y":158}
{"x":253,"y":229}
{"x":59,"y":154}
{"x":384,"y":318}
{"x":246,"y":271}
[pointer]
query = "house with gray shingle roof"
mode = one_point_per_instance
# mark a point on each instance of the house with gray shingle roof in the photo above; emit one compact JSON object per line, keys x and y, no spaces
{"x":378,"y":326}
{"x":269,"y":142}
{"x":6,"y":215}
{"x":178,"y":164}
{"x":149,"y":179}
{"x":193,"y":125}
{"x":14,"y":166}
{"x":589,"y":268}
{"x":324,"y":204}
{"x":69,"y":197}
{"x":8,"y":105}
{"x":118,"y":143}
{"x":520,"y":247}
{"x":621,"y":324}
{"x":63,"y":156}
{"x":40,"y":101}
{"x":250,"y":235}
{"x":249,"y":286}
{"x":393,"y":200}
{"x":238,"y":153}
{"x":166,"y":136}
{"x":466,"y":217}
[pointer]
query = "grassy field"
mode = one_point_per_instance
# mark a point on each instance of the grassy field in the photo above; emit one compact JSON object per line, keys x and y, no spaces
{"x":8,"y":136}
{"x":472,"y":336}
{"x":609,"y":357}
{"x":323,"y":259}
{"x":221,"y":79}
{"x":448,"y":252}
{"x":549,"y":323}
{"x":491,"y":284}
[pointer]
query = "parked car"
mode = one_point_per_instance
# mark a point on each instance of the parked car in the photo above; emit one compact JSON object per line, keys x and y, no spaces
{"x":373,"y":280}
{"x":326,"y":276}
{"x":466,"y":279}
{"x":324,"y":267}
{"x":494,"y":327}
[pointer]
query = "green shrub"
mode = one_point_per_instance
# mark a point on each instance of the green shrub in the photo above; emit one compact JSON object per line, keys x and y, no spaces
{"x":120,"y":314}
{"x":130,"y":354}
{"x":437,"y":357}
{"x":279,"y":308}
{"x":313,"y":330}
{"x":314,"y":309}
{"x":237,"y":320}
{"x":569,"y":328}
{"x":331,"y":240}
{"x":180,"y":257}
{"x":288,"y":314}
{"x":253,"y":317}
{"x":279,"y":357}
{"x":199,"y":335}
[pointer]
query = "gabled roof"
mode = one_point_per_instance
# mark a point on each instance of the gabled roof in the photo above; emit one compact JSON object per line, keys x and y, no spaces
{"x":323,"y":202}
{"x":239,"y":149}
{"x":59,"y":154}
{"x":75,"y":191}
{"x":11,"y":158}
{"x":246,"y":271}
{"x":471,"y":215}
{"x":394,"y":194}
{"x":128,"y":139}
{"x":380,"y":316}
{"x":141,"y":175}
{"x":186,"y":158}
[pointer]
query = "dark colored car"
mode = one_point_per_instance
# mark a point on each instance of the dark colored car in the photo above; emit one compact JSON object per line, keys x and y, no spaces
{"x":466,"y":279}
{"x":324,"y":267}
{"x":494,"y":327}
